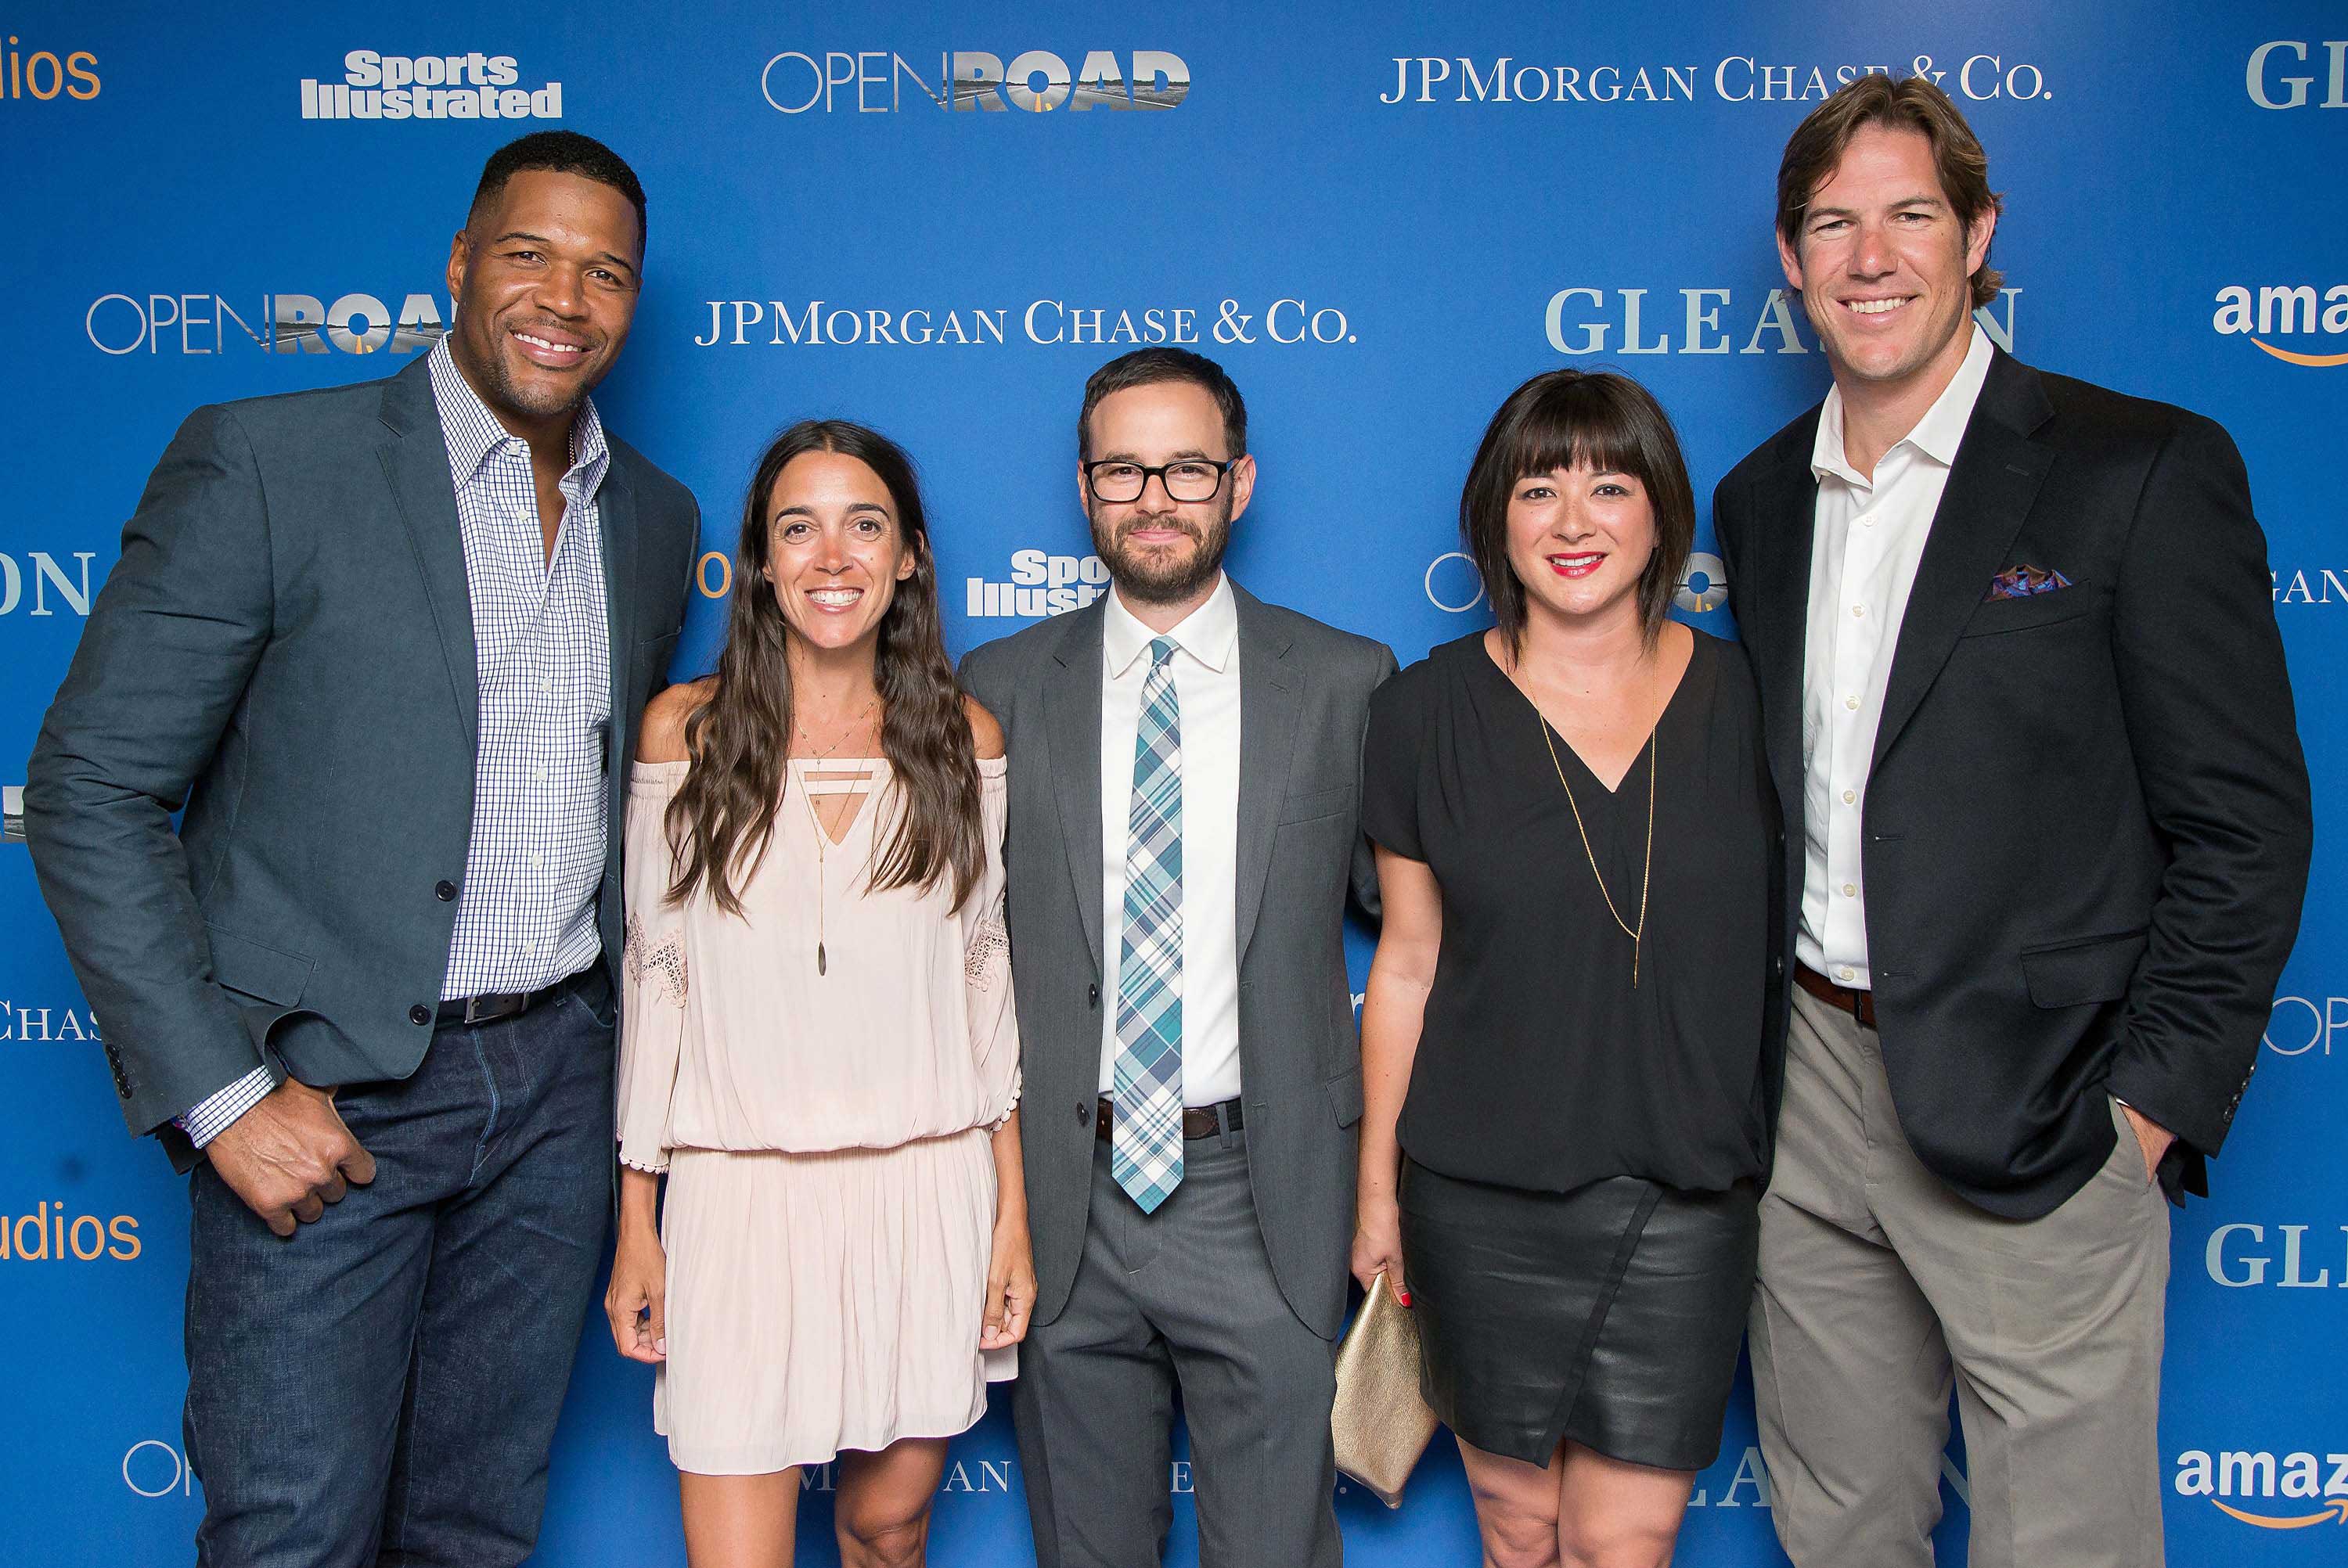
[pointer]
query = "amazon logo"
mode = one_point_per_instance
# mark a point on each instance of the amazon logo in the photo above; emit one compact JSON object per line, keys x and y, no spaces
{"x":2298,"y":1490}
{"x":2318,"y":322}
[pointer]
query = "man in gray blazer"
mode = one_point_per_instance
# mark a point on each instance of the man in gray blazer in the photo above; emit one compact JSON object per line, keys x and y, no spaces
{"x":386,"y":644}
{"x":1184,"y":790}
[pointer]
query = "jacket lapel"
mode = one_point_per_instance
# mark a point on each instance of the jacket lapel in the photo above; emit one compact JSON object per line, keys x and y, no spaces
{"x":1991,"y":486}
{"x":1785,"y":526}
{"x":1072,"y":732}
{"x":1270,"y":697}
{"x":616,"y":510}
{"x":414,"y":459}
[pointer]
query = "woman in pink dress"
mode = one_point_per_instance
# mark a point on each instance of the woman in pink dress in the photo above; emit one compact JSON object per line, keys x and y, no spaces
{"x":818,"y":1045}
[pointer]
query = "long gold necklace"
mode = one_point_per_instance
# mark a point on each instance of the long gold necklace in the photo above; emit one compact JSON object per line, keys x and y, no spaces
{"x":815,"y":818}
{"x":1645,"y":876}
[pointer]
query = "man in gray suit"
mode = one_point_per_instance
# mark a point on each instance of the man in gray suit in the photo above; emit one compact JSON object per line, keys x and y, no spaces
{"x":386,"y":644}
{"x":1185,"y":762}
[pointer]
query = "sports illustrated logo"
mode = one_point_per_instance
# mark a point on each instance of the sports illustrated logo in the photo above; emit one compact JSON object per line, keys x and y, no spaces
{"x":2303,"y":585}
{"x":42,"y":1025}
{"x":41,"y":76}
{"x":2238,"y":1256}
{"x":1586,"y":321}
{"x":46,"y":1234}
{"x":429,"y":86}
{"x":1739,"y":79}
{"x":1453,"y":584}
{"x":873,"y":81}
{"x":284,"y":323}
{"x":2296,"y":1491}
{"x":2273,"y":310}
{"x":2300,"y":1026}
{"x":2271,"y":87}
{"x":1041,"y":584}
{"x":40,"y":584}
{"x":778,"y":324}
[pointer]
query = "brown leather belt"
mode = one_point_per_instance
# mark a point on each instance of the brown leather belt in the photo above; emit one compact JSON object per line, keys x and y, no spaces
{"x":1198,"y":1120}
{"x":1859,"y":1004}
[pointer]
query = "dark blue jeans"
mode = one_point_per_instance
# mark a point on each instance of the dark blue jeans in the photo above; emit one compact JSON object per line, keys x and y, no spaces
{"x":382,"y":1388}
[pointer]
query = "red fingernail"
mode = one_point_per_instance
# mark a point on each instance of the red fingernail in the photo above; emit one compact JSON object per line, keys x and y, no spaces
{"x":1403,"y":1296}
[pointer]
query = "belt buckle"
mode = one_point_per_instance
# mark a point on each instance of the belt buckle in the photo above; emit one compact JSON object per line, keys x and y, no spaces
{"x":473,"y":1014}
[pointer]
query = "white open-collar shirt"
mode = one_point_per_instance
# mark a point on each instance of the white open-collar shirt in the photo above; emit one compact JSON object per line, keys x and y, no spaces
{"x":1864,"y":550}
{"x":1206,"y":669}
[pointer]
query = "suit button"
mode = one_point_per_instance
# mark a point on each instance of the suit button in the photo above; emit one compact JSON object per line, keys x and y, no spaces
{"x":1777,"y":965}
{"x":1083,"y":1112}
{"x":444,"y":891}
{"x":419,"y":1013}
{"x":1092,"y":996}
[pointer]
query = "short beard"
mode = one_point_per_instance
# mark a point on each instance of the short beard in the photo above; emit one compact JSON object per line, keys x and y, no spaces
{"x":498,"y":389}
{"x":1146,"y":577}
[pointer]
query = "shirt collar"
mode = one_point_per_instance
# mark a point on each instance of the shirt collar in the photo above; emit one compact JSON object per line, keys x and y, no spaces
{"x":472,"y":432}
{"x":1937,"y":436}
{"x":1207,"y":633}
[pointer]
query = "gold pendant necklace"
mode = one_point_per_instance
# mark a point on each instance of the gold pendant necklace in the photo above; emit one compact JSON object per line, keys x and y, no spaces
{"x":1634,"y":932}
{"x":815,"y":819}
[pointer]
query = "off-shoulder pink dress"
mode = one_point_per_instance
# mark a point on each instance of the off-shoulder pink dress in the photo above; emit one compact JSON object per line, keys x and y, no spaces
{"x":827,"y":1136}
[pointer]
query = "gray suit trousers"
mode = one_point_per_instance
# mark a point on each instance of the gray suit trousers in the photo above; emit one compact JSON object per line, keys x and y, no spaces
{"x":1182,"y":1298}
{"x":1879,"y":1286}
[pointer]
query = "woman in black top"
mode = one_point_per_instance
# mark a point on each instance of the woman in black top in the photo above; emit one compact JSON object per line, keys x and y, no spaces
{"x":1572,"y":829}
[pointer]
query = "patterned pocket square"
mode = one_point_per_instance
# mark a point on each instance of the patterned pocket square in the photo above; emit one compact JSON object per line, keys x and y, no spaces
{"x":2024,"y":582}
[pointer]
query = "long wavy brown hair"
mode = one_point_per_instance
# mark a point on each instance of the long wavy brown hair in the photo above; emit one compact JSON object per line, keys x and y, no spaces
{"x":723,"y":817}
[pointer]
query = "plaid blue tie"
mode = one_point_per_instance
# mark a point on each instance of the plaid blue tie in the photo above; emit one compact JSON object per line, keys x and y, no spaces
{"x":1145,"y":1141}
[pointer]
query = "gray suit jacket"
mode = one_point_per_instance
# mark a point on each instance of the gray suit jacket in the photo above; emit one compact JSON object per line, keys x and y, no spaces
{"x":286,"y":650}
{"x":1304,"y":693}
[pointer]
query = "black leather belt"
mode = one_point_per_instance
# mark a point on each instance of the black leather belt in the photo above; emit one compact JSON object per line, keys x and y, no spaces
{"x":1198,"y":1120}
{"x":1859,"y":1004}
{"x":491,"y":1006}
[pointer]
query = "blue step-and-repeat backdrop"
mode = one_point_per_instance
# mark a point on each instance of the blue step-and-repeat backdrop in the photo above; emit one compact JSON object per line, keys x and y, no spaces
{"x":939,"y":220}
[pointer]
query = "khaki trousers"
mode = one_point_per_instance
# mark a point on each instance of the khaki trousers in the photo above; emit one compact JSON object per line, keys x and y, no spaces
{"x":1879,"y":1287}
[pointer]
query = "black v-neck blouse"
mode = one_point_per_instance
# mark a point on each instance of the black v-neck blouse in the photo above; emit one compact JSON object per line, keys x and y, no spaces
{"x":1539,"y":1064}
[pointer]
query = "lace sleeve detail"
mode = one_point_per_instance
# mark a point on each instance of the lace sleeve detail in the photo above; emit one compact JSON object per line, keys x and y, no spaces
{"x":658,"y":966}
{"x":983,"y":962}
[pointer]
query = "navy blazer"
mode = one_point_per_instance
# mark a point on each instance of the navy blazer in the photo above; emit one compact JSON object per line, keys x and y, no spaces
{"x":285,"y":650}
{"x":2086,"y":827}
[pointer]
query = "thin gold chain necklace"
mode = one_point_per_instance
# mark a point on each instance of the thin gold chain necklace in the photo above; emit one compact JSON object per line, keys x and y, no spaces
{"x":815,"y":817}
{"x":1646,"y":874}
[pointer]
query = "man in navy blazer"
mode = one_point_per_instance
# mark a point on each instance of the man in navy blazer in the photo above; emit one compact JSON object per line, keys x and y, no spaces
{"x":386,"y":645}
{"x":1989,"y":606}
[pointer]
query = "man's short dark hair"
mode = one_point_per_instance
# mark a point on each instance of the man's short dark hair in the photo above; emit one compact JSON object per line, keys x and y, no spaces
{"x":1150,"y":366}
{"x":560,"y":152}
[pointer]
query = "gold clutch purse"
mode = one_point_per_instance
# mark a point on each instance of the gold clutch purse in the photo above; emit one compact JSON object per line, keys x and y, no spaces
{"x":1380,"y":1420}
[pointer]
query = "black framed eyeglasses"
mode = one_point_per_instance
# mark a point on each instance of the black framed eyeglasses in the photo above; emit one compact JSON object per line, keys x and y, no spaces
{"x":1117,"y":481}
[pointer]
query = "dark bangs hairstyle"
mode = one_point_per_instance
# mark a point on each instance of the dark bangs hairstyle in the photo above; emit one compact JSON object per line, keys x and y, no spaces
{"x":1563,"y":419}
{"x":723,"y":817}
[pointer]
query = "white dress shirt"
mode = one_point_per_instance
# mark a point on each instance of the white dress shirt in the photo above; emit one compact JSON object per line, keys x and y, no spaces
{"x":1864,"y":550}
{"x":1206,"y":669}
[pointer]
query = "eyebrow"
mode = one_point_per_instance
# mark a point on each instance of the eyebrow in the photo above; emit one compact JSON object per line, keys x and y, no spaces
{"x":512,"y":234}
{"x":1902,"y":204}
{"x":1187,"y":452}
{"x":809,"y":512}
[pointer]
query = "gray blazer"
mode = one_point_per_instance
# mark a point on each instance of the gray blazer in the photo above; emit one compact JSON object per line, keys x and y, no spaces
{"x":1304,"y":693}
{"x":286,"y":650}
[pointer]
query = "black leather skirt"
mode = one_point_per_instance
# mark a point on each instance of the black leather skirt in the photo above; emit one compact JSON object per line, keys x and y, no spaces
{"x":1610,"y":1315}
